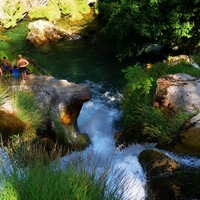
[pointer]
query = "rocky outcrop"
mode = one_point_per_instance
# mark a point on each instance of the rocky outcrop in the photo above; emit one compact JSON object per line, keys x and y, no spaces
{"x":41,"y":32}
{"x":168,"y":179}
{"x":174,"y":60}
{"x":59,"y":97}
{"x":14,"y":11}
{"x":178,"y":91}
{"x":182,"y":91}
{"x":59,"y":100}
{"x":189,"y":138}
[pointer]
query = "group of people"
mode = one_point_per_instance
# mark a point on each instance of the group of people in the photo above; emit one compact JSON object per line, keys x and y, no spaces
{"x":16,"y":70}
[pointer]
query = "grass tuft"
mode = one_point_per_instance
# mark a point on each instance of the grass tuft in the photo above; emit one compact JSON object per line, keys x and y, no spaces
{"x":80,"y":178}
{"x":27,"y":109}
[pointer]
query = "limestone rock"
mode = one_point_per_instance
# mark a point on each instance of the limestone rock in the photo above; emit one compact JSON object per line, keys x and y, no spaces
{"x":189,"y":139}
{"x":182,"y":91}
{"x":178,"y":91}
{"x":168,"y":179}
{"x":43,"y":31}
{"x":174,"y":60}
{"x":61,"y":98}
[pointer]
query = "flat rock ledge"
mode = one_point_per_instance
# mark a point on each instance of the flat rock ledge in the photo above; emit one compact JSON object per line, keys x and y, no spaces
{"x":61,"y":98}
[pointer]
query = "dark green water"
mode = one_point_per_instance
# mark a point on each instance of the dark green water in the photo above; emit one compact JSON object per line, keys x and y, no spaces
{"x":77,"y":61}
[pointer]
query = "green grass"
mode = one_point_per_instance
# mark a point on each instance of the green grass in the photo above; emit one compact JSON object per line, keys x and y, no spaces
{"x":33,"y":68}
{"x":27,"y":109}
{"x":4,"y":93}
{"x":140,"y":117}
{"x":184,"y":68}
{"x":79,"y":179}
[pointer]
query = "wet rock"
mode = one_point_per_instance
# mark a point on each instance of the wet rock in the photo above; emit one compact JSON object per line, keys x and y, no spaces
{"x":156,"y":163}
{"x":168,"y":179}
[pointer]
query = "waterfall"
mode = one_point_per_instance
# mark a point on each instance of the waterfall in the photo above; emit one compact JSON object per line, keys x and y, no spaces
{"x":98,"y":119}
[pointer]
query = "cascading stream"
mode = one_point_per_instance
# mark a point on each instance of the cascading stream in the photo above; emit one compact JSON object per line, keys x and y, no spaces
{"x":97,"y":119}
{"x":77,"y":61}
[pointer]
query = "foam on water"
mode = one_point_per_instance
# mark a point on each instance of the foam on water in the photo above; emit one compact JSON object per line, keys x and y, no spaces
{"x":97,"y":119}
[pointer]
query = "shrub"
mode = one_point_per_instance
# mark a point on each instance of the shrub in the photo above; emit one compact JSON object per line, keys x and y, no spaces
{"x":139,"y":114}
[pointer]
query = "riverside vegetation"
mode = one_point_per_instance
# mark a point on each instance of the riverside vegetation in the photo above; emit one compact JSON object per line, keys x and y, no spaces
{"x":31,"y":163}
{"x":32,"y":177}
{"x":143,"y":121}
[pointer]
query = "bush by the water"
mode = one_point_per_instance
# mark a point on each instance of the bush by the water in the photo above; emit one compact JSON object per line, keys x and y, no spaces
{"x":141,"y":118}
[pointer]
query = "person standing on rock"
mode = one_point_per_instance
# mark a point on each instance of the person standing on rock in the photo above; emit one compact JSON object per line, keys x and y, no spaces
{"x":6,"y":65}
{"x":21,"y":64}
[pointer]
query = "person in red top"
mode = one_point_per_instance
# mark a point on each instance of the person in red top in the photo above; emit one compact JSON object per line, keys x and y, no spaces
{"x":21,"y":64}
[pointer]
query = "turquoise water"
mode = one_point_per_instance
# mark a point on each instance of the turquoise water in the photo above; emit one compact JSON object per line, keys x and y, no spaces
{"x":77,"y":61}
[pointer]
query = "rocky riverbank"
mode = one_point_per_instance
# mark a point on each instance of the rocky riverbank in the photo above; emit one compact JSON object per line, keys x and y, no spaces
{"x":59,"y":99}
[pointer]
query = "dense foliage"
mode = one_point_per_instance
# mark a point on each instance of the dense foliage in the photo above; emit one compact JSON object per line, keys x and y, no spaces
{"x":135,"y":25}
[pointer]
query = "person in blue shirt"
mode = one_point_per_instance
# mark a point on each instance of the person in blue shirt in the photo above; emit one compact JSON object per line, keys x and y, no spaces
{"x":15,"y":72}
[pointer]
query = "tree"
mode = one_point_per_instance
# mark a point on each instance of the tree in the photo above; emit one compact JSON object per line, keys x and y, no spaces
{"x":135,"y":24}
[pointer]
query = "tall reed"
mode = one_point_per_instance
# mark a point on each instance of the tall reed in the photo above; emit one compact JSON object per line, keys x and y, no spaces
{"x":80,"y":178}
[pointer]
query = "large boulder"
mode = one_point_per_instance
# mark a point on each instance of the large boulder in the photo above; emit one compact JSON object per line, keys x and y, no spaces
{"x":61,"y":98}
{"x":178,"y":91}
{"x":168,"y":179}
{"x":44,"y":31}
{"x":60,"y":101}
{"x":182,"y":91}
{"x":189,"y":138}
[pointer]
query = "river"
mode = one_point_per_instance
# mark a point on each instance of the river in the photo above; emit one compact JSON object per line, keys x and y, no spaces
{"x":82,"y":61}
